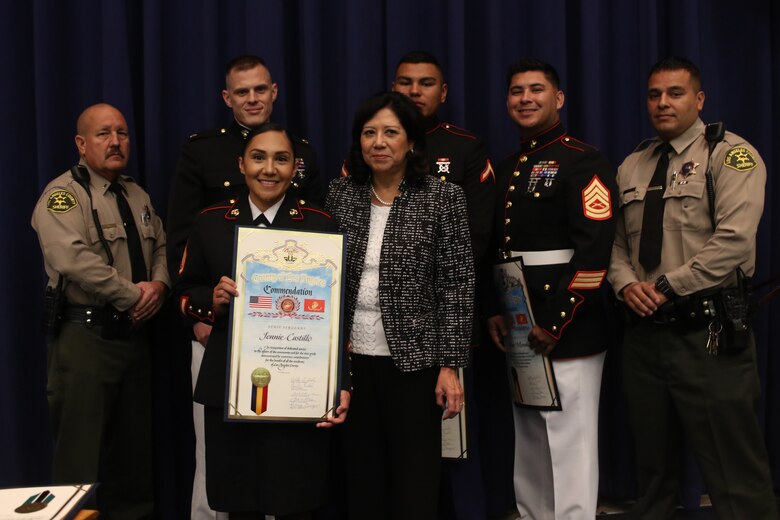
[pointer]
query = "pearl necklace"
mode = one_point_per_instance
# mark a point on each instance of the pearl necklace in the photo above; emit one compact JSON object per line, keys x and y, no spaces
{"x":373,"y":191}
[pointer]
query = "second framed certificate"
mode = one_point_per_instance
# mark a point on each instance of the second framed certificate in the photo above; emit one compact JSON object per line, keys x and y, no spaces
{"x":531,"y":374}
{"x":284,"y":349}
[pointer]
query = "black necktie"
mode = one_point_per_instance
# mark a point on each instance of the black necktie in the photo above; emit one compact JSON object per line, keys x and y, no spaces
{"x":261,"y":220}
{"x":653,"y":217}
{"x":137,"y":262}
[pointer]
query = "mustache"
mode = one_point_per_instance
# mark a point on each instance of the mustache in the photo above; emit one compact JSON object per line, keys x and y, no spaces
{"x":115,"y":150}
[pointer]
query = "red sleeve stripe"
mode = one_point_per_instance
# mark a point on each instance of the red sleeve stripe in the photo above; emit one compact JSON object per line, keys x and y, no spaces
{"x":587,"y":279}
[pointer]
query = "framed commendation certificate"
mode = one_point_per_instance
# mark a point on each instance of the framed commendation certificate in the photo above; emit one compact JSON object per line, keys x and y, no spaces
{"x":531,"y":374}
{"x":284,"y":348}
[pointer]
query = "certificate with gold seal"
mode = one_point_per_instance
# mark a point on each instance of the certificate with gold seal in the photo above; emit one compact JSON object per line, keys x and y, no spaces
{"x":284,"y":348}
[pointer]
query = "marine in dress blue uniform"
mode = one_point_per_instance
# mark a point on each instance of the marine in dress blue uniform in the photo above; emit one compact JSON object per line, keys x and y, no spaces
{"x":555,"y":210}
{"x":207,"y":172}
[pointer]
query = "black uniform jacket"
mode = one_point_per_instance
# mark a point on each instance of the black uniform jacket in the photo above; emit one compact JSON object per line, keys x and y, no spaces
{"x":458,"y":156}
{"x":208,"y":173}
{"x":208,"y":257}
{"x":559,"y":193}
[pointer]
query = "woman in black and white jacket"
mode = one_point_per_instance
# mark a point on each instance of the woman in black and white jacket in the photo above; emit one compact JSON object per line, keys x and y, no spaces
{"x":409,"y":307}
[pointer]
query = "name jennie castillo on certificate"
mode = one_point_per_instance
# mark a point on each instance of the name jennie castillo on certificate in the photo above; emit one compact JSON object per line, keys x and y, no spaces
{"x":531,"y":374}
{"x":284,"y":350}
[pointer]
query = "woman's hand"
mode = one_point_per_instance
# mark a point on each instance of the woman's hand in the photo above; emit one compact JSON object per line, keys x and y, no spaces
{"x":449,"y":393}
{"x":220,"y":299}
{"x":341,"y":412}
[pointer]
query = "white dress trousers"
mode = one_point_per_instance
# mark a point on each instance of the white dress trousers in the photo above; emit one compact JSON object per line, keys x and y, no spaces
{"x":556,"y":452}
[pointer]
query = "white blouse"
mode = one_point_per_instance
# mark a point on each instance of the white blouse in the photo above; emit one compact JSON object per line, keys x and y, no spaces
{"x":368,"y":333}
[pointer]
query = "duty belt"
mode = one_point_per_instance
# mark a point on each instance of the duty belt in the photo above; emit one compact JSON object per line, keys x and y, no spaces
{"x":90,"y":316}
{"x":691,"y":312}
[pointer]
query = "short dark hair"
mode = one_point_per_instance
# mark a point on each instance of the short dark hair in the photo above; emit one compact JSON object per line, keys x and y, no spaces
{"x":268,"y":127}
{"x":677,"y":63}
{"x":421,"y":57}
{"x":244,"y":62}
{"x":533,"y":64}
{"x":411,"y":120}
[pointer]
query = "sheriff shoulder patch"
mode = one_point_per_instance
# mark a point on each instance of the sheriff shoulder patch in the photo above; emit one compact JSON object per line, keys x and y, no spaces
{"x":61,"y":201}
{"x":741,"y":159}
{"x":596,"y":204}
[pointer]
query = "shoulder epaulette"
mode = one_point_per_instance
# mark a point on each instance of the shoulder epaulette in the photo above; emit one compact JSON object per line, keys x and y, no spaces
{"x":462,"y":132}
{"x":644,"y":144}
{"x":574,"y":143}
{"x":225,"y":204}
{"x":297,"y":139}
{"x":208,"y":133}
{"x":315,"y":210}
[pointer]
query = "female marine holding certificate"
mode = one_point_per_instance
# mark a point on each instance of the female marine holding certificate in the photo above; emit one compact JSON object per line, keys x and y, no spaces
{"x":251,"y":469}
{"x":410,"y":287}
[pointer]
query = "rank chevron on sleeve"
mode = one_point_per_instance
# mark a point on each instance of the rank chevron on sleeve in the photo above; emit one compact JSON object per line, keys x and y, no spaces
{"x":596,"y":203}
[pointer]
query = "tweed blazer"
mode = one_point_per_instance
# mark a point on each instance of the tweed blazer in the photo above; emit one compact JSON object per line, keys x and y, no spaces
{"x":426,"y":269}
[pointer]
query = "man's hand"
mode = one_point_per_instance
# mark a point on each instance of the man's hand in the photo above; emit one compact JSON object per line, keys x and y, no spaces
{"x":225,"y":289}
{"x":540,"y":341}
{"x":498,"y":330}
{"x":152,"y":297}
{"x":643,"y":298}
{"x":202,"y":332}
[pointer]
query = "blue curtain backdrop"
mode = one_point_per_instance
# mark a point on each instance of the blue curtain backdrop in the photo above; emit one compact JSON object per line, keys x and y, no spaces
{"x":161,"y":62}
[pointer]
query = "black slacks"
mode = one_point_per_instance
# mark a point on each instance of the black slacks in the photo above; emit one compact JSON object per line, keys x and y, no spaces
{"x":393,"y":436}
{"x":672,"y":385}
{"x":99,"y":395}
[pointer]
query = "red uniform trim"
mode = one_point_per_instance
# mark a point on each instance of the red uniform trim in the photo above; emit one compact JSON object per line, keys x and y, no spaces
{"x":462,"y":132}
{"x":184,"y":306}
{"x":214,"y":208}
{"x":183,"y":258}
{"x":571,"y":316}
{"x":569,"y":145}
{"x":487,"y":173}
{"x":317,"y":211}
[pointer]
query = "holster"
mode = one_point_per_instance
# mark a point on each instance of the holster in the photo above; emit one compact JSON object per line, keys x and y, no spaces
{"x":53,"y":304}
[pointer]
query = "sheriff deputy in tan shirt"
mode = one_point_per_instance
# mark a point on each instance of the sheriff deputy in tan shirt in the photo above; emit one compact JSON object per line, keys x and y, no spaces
{"x":687,"y":366}
{"x":114,"y":280}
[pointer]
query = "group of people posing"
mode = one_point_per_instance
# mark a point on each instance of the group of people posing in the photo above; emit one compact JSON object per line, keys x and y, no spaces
{"x":426,"y":216}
